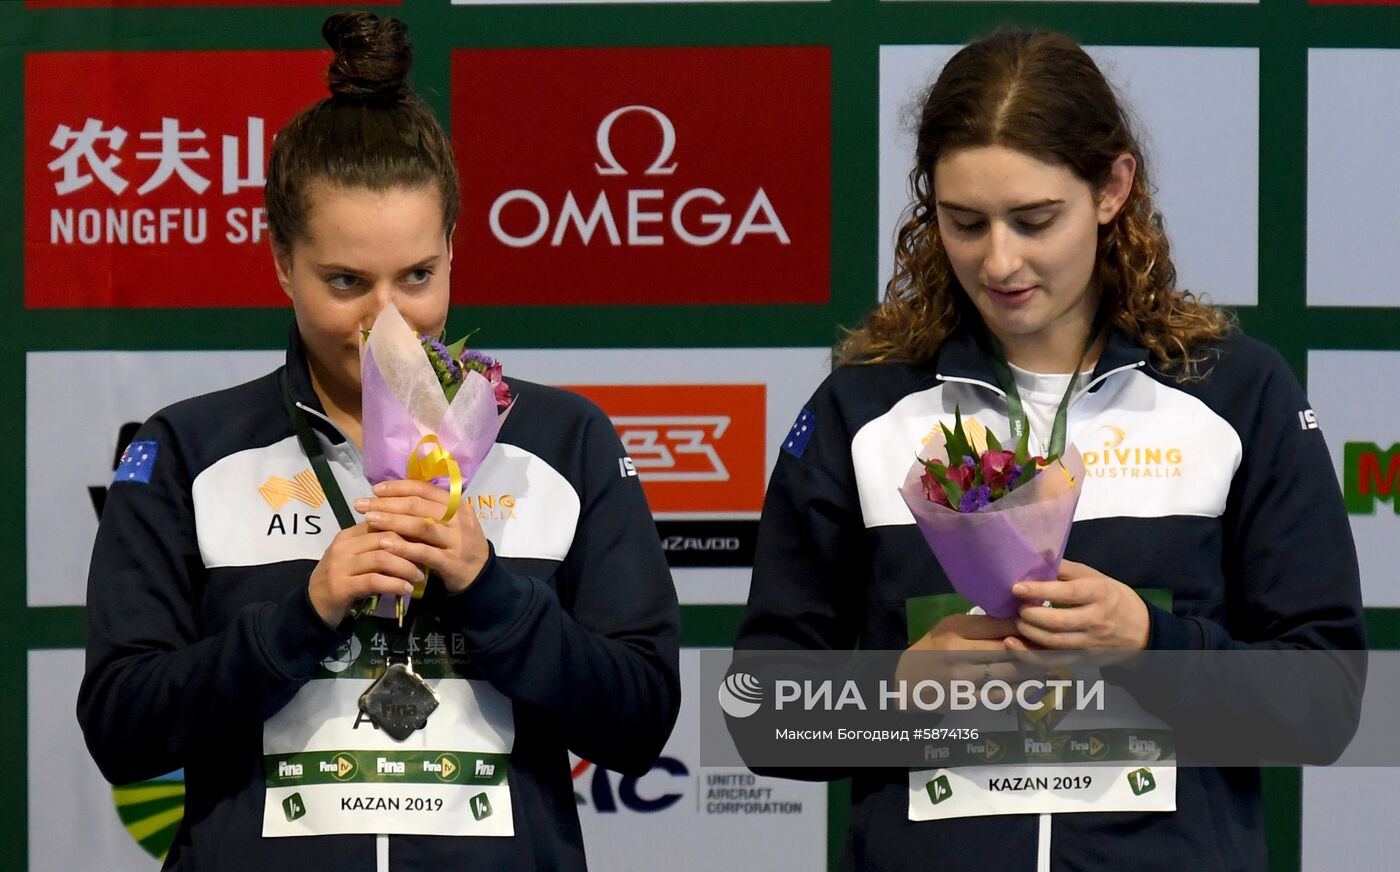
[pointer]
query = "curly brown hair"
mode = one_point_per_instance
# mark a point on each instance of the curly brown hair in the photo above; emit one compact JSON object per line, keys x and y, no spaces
{"x":1039,"y":93}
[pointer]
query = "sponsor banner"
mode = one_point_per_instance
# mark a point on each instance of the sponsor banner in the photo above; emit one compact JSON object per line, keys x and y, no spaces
{"x":81,"y":410}
{"x":703,"y":428}
{"x":1350,"y":174}
{"x":696,"y":448}
{"x":143,"y":179}
{"x":1349,"y":813}
{"x":609,"y":176}
{"x":1363,"y":436}
{"x":77,"y":821}
{"x":681,"y":816}
{"x":1173,"y":93}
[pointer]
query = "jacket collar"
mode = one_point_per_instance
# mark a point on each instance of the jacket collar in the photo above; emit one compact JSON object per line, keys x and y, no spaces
{"x":299,"y":383}
{"x":964,"y":357}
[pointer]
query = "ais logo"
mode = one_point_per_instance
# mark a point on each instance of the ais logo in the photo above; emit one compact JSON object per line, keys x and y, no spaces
{"x":611,"y":178}
{"x":597,"y":789}
{"x":1370,"y":474}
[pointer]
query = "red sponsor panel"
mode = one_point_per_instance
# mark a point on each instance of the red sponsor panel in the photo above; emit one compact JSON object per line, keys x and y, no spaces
{"x":150,"y":4}
{"x":643,"y":175}
{"x":696,"y":448}
{"x":144,"y":173}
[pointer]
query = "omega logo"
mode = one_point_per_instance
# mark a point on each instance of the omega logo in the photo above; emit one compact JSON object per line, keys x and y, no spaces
{"x":668,"y":143}
{"x":644,"y":217}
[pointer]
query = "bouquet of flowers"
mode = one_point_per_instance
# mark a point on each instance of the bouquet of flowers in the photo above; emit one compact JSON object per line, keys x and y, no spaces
{"x":993,"y":517}
{"x":431,"y":411}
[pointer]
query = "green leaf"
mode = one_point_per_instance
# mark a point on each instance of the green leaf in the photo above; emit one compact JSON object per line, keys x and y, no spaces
{"x":993,"y":444}
{"x":951,"y":490}
{"x":956,"y":443}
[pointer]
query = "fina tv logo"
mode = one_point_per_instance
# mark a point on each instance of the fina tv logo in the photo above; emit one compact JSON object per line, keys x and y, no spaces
{"x":644,"y":210}
{"x":740,"y":695}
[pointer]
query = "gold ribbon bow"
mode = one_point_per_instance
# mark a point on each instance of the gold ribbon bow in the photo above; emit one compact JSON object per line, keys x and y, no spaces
{"x":436,"y":463}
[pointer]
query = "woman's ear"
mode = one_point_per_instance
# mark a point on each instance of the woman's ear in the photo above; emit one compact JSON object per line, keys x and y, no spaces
{"x":282,"y":260}
{"x":1120,"y":185}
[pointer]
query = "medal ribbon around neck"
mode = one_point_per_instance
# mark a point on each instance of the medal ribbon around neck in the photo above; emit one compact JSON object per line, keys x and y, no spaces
{"x":1014,"y":408}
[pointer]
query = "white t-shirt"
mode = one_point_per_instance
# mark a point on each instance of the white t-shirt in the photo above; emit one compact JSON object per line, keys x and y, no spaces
{"x":1041,"y":393}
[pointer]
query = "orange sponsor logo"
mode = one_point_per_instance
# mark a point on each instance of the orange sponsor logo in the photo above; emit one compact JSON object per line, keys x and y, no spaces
{"x":696,"y":448}
{"x":303,"y":487}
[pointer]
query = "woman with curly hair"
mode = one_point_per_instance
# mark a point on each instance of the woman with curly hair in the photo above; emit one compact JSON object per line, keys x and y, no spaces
{"x":1034,"y":288}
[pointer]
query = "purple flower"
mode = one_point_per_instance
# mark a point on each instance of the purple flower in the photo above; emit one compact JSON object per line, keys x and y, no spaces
{"x":969,"y":461}
{"x":482,"y":363}
{"x":977,"y":498}
{"x":447,"y":368}
{"x":1013,"y":476}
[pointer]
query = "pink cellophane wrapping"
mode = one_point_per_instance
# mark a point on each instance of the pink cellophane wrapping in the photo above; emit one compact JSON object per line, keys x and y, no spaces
{"x":1019,"y":537}
{"x":403,"y":401}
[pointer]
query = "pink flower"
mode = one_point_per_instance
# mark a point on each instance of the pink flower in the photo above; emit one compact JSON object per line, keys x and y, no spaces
{"x":996,"y":465}
{"x":933,"y":491}
{"x":962,"y":476}
{"x":498,"y":384}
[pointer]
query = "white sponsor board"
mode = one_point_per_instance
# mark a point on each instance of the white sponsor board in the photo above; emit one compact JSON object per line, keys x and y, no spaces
{"x":1352,"y":404}
{"x":1349,"y":819}
{"x":790,"y":375}
{"x":76,"y":403}
{"x":1208,"y":186}
{"x":1352,"y":176}
{"x":73,"y":823}
{"x":681,"y":817}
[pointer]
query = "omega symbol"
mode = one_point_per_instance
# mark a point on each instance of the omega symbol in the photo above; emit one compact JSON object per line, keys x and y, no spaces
{"x":610,"y":166}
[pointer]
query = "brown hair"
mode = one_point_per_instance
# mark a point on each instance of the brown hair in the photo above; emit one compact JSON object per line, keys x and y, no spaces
{"x":372,"y":132}
{"x":1041,"y":94}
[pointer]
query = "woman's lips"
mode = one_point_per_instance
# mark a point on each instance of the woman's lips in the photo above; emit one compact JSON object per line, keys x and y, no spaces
{"x":1011,"y":296}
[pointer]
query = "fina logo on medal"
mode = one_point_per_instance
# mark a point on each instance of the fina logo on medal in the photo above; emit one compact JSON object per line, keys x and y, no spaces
{"x":740,"y":695}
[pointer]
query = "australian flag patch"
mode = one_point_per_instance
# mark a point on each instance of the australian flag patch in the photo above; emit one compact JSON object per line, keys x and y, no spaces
{"x":136,"y":464}
{"x":800,"y":434}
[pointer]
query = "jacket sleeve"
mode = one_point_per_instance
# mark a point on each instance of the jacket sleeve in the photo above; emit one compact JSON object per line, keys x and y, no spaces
{"x":811,"y":567}
{"x":811,"y":564}
{"x":601,"y":657}
{"x":1294,"y":621}
{"x":157,"y":689}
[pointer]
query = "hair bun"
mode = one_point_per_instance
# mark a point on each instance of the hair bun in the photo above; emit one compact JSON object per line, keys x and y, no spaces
{"x":372,"y":57}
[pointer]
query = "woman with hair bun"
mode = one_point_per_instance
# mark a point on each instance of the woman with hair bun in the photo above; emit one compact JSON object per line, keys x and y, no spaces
{"x":1034,"y":288}
{"x":220,"y":632}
